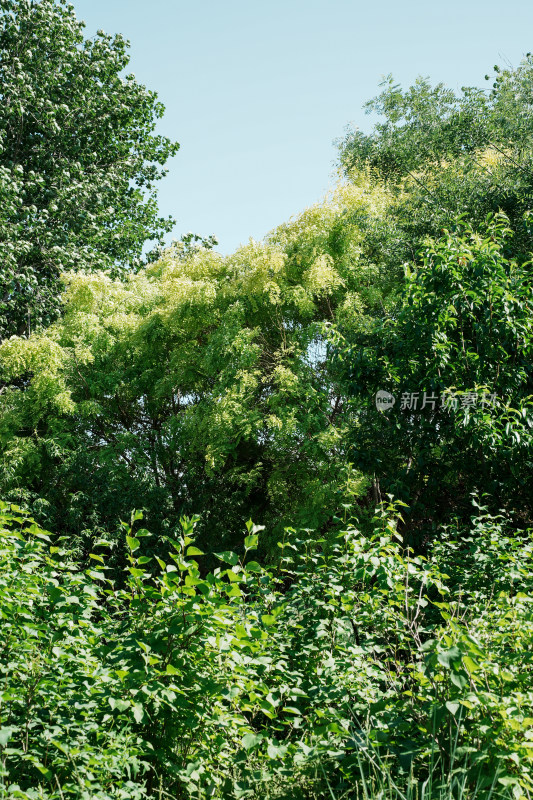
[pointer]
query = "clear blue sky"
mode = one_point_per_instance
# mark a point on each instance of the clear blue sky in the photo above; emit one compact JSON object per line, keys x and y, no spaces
{"x":256,"y":92}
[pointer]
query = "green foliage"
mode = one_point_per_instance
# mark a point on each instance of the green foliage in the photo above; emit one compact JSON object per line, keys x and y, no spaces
{"x":321,"y":660}
{"x":199,"y":385}
{"x":249,"y":682}
{"x":457,"y":167}
{"x":56,"y":728}
{"x":462,"y":332}
{"x":78,"y":159}
{"x":446,"y":155}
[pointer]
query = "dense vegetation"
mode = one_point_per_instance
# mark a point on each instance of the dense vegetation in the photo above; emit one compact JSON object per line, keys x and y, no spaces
{"x":78,"y":159}
{"x":359,"y":384}
{"x":351,"y":663}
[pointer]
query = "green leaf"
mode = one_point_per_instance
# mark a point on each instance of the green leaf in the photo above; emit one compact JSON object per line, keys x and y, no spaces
{"x":470,"y":664}
{"x":133,"y":543}
{"x":250,"y":542}
{"x":95,"y":575}
{"x":228,"y":557}
{"x":251,"y":740}
{"x":117,"y":703}
{"x":5,"y":735}
{"x":449,"y":657}
{"x":194,"y":551}
{"x":137,"y":573}
{"x":274,"y":751}
{"x":459,"y":679}
{"x":452,"y":707}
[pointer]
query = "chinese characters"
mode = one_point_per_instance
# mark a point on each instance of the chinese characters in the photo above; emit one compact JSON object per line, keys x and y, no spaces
{"x":446,"y":401}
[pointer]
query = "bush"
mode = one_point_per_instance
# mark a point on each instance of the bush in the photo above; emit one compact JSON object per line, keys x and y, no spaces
{"x":352,"y":664}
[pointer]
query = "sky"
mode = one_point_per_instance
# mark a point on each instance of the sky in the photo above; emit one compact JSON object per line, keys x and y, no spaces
{"x":257,"y":92}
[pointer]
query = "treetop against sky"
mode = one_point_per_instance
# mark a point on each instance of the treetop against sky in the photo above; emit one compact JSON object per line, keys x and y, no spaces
{"x":256,"y":93}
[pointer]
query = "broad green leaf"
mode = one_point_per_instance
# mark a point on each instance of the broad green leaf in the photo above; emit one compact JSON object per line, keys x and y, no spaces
{"x":452,"y":707}
{"x":194,"y":551}
{"x":228,"y":557}
{"x":5,"y":735}
{"x":250,"y":542}
{"x":251,"y":740}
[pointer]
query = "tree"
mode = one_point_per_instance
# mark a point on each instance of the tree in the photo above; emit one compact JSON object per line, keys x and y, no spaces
{"x":457,"y":351}
{"x":459,"y":320}
{"x":197,"y":385}
{"x":79,"y":159}
{"x":448,"y":155}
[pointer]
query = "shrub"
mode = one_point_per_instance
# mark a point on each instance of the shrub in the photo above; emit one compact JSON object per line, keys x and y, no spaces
{"x":295,"y":681}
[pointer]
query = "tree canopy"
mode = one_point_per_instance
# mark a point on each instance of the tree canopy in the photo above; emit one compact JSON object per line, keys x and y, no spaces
{"x":79,"y":159}
{"x":200,"y":384}
{"x":370,"y":359}
{"x":244,"y":385}
{"x":449,"y":155}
